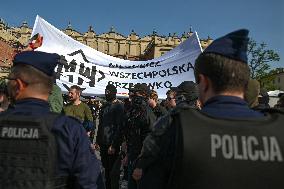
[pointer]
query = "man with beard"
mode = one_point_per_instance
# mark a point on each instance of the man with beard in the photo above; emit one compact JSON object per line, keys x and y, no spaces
{"x":78,"y":109}
{"x":110,"y":119}
{"x":40,"y":149}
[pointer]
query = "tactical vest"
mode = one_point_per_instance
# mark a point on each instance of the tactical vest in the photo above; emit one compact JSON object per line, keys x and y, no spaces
{"x":28,"y":153}
{"x":230,"y":153}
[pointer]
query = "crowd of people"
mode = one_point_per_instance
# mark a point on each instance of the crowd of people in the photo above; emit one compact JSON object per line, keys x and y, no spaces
{"x":216,"y":133}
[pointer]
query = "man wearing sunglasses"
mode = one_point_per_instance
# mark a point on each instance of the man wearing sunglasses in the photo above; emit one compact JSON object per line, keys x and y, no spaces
{"x":39,"y":149}
{"x":157,"y":109}
{"x":171,"y":99}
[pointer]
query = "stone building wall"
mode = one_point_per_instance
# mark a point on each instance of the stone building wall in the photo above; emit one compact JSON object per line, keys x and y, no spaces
{"x":279,"y":80}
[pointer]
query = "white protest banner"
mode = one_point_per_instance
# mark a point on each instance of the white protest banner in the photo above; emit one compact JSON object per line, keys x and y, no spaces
{"x":92,"y":70}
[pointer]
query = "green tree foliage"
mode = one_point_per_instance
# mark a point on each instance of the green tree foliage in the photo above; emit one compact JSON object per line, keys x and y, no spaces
{"x":259,"y":58}
{"x":267,"y":81}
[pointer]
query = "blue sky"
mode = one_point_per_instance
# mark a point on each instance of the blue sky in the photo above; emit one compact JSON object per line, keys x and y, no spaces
{"x":214,"y":18}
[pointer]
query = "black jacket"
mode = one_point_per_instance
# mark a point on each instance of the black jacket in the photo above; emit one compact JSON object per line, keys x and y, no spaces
{"x":111,"y":117}
{"x":138,"y":124}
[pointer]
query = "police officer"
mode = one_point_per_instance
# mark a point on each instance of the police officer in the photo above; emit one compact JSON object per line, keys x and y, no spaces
{"x":111,"y":117}
{"x":226,"y":145}
{"x":138,"y":124}
{"x":39,"y":149}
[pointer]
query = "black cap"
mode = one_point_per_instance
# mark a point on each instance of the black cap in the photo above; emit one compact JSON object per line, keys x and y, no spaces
{"x":187,"y":88}
{"x":140,"y":87}
{"x":45,"y":62}
{"x":233,"y":45}
{"x":111,"y":88}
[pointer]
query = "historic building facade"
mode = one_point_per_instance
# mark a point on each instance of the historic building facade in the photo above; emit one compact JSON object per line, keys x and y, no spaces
{"x":131,"y":47}
{"x":278,"y":81}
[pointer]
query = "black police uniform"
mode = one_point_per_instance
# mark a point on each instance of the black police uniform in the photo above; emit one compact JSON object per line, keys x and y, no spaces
{"x":229,"y":152}
{"x":75,"y":162}
{"x":225,"y":145}
{"x":163,"y":148}
{"x":75,"y":157}
{"x":111,"y":117}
